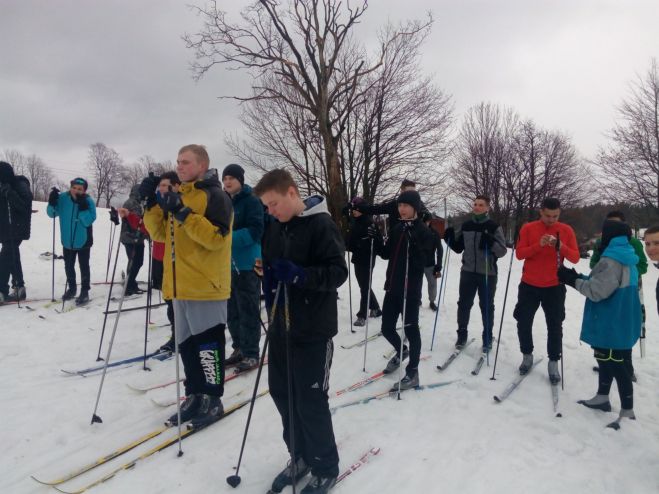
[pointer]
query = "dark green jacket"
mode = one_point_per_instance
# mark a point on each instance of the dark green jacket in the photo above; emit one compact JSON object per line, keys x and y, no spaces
{"x":642,"y":265}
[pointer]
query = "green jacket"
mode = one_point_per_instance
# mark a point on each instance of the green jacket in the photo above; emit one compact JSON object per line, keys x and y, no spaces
{"x":642,"y":265}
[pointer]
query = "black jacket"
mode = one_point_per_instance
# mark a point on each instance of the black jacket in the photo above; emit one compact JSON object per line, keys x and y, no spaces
{"x":313,"y":241}
{"x":421,"y":255}
{"x":469,"y":242}
{"x":390,"y":208}
{"x":129,"y":235}
{"x":18,"y":204}
{"x":438,"y":248}
{"x":358,"y":242}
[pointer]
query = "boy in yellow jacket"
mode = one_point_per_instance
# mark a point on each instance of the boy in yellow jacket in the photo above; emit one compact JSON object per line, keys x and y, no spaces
{"x":198,"y":279}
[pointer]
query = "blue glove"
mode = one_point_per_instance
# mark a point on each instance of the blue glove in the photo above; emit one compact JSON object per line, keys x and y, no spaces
{"x":288,"y":272}
{"x":171,"y":203}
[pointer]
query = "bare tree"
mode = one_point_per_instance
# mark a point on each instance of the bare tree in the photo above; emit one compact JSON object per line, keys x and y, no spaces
{"x":516,"y":163}
{"x":16,"y":159}
{"x":133,"y":174}
{"x":41,"y":177}
{"x":107,"y":170}
{"x":299,"y":44}
{"x":629,"y":165}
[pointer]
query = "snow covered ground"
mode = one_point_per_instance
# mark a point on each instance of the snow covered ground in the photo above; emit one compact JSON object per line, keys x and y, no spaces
{"x":450,"y":439}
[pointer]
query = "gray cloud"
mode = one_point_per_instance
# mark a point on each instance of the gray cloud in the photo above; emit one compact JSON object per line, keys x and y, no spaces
{"x":77,"y":72}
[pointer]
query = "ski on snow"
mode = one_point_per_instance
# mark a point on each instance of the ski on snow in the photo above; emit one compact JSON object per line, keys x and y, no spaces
{"x":390,"y":392}
{"x":454,"y":355}
{"x":129,"y":361}
{"x":515,"y":383}
{"x":554,"y":399}
{"x":362,"y":342}
{"x":361,"y":462}
{"x":130,"y":464}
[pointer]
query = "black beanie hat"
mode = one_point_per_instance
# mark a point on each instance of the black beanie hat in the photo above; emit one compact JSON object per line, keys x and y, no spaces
{"x":80,"y":181}
{"x":235,"y":171}
{"x":612,"y":229}
{"x":410,"y":197}
{"x":6,"y":172}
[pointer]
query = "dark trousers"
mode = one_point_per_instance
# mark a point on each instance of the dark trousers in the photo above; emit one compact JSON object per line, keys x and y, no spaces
{"x":552,"y":299}
{"x":614,"y":365}
{"x":203,"y":362}
{"x":135,"y":252}
{"x":70,"y":263}
{"x":392,"y":307}
{"x":10,"y":264}
{"x":361,"y":273}
{"x":312,"y":420}
{"x":243,"y":312}
{"x":470,"y":283}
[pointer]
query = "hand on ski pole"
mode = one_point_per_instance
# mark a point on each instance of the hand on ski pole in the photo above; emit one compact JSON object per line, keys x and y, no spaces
{"x":53,"y":197}
{"x":148,"y":188}
{"x":288,"y":272}
{"x":114,"y":215}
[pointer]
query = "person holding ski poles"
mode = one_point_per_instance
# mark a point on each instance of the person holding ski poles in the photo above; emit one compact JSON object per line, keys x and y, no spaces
{"x":409,"y":250}
{"x":132,"y":236}
{"x":303,"y":266}
{"x":642,"y":268}
{"x":196,"y":223}
{"x":77,"y":212}
{"x":541,"y":245}
{"x":612,"y":315}
{"x":359,"y":244}
{"x":481,"y":242}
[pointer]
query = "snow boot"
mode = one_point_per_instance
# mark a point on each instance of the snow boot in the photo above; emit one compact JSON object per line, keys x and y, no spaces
{"x":83,"y":298}
{"x":189,"y":409}
{"x":210,"y":410}
{"x":552,"y":369}
{"x":360,"y":321}
{"x":462,"y":339}
{"x":235,"y":357}
{"x":410,"y":381}
{"x":19,"y":293}
{"x":319,"y":485}
{"x":433,"y":307}
{"x":285,"y":476}
{"x":527,"y":363}
{"x":375,"y":313}
{"x":70,"y":292}
{"x":394,"y":362}
{"x":247,"y":363}
{"x":597,"y":402}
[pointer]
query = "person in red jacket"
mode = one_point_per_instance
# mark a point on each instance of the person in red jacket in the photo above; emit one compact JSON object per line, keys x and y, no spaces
{"x":543,"y":244}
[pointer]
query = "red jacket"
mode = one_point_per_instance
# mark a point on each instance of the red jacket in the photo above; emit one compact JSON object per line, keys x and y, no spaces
{"x":540,"y":263}
{"x":158,"y":251}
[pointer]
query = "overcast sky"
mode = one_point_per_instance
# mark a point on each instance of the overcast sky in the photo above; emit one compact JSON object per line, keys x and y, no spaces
{"x":77,"y":72}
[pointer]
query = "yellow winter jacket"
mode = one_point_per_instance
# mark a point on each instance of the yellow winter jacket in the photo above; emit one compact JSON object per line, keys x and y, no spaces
{"x":202,"y":243}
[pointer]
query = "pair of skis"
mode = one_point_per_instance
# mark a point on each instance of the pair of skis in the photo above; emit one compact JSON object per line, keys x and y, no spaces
{"x":128,"y":447}
{"x":158,"y":355}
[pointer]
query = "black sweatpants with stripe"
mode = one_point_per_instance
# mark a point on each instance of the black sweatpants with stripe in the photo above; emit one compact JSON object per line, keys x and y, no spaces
{"x":312,"y":420}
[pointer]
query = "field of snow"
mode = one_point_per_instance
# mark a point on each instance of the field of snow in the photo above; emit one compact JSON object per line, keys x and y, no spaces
{"x":449,"y":439}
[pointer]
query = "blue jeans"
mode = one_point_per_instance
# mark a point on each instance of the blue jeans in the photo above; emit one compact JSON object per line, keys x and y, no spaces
{"x":243,"y":313}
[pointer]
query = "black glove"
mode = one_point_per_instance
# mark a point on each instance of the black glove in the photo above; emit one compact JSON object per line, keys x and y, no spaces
{"x":114,"y":215}
{"x":171,"y":203}
{"x":53,"y":197}
{"x":449,"y":235}
{"x":567,"y":276}
{"x":372,"y":232}
{"x":487,"y":240}
{"x":81,"y":200}
{"x":437,"y":271}
{"x":148,"y":189}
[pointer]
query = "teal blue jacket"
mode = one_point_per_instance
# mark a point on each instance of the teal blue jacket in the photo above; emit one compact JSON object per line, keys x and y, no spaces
{"x":247,"y":229}
{"x":612,"y":315}
{"x":75,"y":225}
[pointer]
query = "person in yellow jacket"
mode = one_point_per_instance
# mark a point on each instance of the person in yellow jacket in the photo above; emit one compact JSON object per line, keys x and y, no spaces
{"x":198,"y":279}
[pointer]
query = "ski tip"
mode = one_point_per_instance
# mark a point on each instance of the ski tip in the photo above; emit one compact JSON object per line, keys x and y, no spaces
{"x":614,"y":425}
{"x":497,"y":399}
{"x":559,"y":414}
{"x":440,"y":368}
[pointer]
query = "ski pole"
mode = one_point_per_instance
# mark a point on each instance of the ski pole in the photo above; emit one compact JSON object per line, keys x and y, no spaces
{"x":234,"y":480}
{"x":439,"y":297}
{"x":368,"y":302}
{"x":350,"y":291}
{"x":12,"y":246}
{"x":487,"y":340}
{"x":503,"y":311}
{"x":448,"y":259}
{"x":289,"y":373}
{"x":107,"y":303}
{"x":111,"y":242}
{"x":52,"y":280}
{"x":148,"y":308}
{"x":95,"y":417}
{"x":558,"y":266}
{"x":402,"y":329}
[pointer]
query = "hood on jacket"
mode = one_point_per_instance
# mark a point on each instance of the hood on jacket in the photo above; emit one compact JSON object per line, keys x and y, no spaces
{"x":619,"y":249}
{"x":315,"y":204}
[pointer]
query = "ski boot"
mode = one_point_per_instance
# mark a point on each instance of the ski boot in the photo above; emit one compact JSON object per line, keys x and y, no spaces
{"x":319,"y":485}
{"x":83,"y":298}
{"x":189,"y":409}
{"x":394,"y":362}
{"x":235,"y":357}
{"x":210,"y":410}
{"x":285,"y":476}
{"x":70,"y":292}
{"x":360,"y":321}
{"x":410,"y":381}
{"x":19,"y":293}
{"x":597,"y":402}
{"x":247,"y":363}
{"x":375,"y":313}
{"x":552,"y":369}
{"x":527,"y":363}
{"x":462,"y":339}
